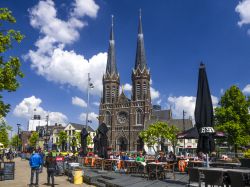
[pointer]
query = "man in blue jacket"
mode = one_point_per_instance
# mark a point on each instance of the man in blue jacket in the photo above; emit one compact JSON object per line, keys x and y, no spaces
{"x":35,"y":164}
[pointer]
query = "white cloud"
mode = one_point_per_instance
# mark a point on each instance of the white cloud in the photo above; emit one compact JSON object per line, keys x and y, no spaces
{"x":57,"y":117}
{"x":96,"y":103}
{"x":92,"y":117}
{"x":31,"y":105}
{"x":127,"y":87}
{"x":154,"y":93}
{"x":186,"y":103}
{"x":79,"y":102}
{"x":158,"y":102}
{"x":85,"y":7}
{"x":246,"y":90}
{"x":51,"y":60}
{"x":243,"y":8}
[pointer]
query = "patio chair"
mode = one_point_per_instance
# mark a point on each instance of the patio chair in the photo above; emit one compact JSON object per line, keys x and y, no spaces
{"x":169,"y":168}
{"x":98,"y":163}
{"x":236,"y":179}
{"x":213,"y":177}
{"x":131,"y":167}
{"x":108,"y":165}
{"x":194,"y":176}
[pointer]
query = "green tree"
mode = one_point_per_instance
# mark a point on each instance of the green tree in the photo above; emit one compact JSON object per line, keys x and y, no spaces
{"x":15,"y":141}
{"x":4,"y":128}
{"x":63,"y":137}
{"x":33,"y":139}
{"x":232,"y":117}
{"x":9,"y":68}
{"x":154,"y":134}
{"x":172,"y":136}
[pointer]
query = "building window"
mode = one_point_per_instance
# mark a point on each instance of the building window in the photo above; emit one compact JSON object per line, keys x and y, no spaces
{"x":69,"y":133}
{"x":113,"y":93}
{"x":139,"y":117}
{"x":108,"y":118}
{"x":107,"y":94}
{"x":144,"y":89}
{"x":138,"y":90}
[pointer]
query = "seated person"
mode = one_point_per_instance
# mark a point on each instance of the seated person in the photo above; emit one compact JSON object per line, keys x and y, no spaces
{"x":171,"y":156}
{"x":140,"y":158}
{"x":162,"y":158}
{"x":124,"y":156}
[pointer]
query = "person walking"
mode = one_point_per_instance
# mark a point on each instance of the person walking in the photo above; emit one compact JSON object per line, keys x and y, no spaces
{"x":51,"y":168}
{"x":35,"y":164}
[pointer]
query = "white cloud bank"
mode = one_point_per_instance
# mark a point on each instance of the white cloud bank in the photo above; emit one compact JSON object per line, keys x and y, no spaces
{"x":91,"y":117}
{"x":243,"y":8}
{"x":50,"y":59}
{"x":31,"y":105}
{"x":79,"y":102}
{"x":246,"y":90}
{"x":186,"y":103}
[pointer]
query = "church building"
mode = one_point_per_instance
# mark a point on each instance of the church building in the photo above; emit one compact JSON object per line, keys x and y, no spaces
{"x":126,"y":117}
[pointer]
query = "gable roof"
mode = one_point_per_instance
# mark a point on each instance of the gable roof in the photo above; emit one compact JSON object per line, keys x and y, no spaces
{"x":78,"y":126}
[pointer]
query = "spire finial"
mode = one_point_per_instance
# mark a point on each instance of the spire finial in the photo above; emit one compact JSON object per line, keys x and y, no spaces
{"x":140,"y":13}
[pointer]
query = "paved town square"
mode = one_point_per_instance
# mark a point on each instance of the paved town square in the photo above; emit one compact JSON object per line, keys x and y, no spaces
{"x":22,"y":177}
{"x":108,"y":93}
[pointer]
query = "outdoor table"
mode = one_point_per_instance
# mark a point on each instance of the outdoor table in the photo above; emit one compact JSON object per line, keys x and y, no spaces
{"x":229,"y":164}
{"x":196,"y":163}
{"x":245,"y":172}
{"x":157,"y":165}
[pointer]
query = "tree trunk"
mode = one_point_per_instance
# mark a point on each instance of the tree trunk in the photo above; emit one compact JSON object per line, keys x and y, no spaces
{"x":236,"y":150}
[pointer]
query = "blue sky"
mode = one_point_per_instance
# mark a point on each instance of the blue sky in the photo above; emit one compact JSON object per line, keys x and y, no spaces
{"x":66,"y":39}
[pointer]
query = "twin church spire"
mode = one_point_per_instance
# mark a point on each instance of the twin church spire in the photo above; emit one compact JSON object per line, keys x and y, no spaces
{"x":111,"y":80}
{"x":111,"y":61}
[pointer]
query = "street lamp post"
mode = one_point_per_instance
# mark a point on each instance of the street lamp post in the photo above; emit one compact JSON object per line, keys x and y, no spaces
{"x":184,"y":129}
{"x":90,"y":85}
{"x":46,"y":135}
{"x":18,"y":127}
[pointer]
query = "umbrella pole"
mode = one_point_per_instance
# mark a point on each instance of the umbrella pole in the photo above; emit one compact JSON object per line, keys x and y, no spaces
{"x":207,"y":162}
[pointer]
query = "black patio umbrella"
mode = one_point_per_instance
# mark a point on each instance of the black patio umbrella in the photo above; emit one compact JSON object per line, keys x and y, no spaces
{"x":204,"y":114}
{"x":103,"y":140}
{"x":84,"y":135}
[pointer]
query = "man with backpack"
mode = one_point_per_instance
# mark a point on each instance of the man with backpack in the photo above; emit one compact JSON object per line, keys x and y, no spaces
{"x":51,"y":168}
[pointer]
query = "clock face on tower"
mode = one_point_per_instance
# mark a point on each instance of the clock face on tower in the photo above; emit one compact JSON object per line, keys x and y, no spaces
{"x":122,"y":117}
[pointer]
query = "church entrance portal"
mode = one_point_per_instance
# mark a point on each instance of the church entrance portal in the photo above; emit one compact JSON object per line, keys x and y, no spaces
{"x":122,"y":144}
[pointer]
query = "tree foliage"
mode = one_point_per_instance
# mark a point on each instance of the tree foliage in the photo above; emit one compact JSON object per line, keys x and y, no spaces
{"x":63,"y":137}
{"x":4,"y":135}
{"x":33,"y":139}
{"x":233,"y":118}
{"x":15,"y":141}
{"x":9,"y":68}
{"x":156,"y":132}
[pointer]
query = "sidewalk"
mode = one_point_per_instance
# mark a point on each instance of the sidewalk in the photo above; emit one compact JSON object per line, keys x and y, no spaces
{"x":22,"y":177}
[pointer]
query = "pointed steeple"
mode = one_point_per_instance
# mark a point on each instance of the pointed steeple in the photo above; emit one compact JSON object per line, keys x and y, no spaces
{"x":140,"y":59}
{"x":111,"y":62}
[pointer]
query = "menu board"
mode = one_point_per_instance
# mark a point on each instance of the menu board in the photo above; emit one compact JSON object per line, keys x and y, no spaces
{"x":9,"y":170}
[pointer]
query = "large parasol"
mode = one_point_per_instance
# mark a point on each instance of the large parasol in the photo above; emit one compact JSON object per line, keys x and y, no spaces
{"x":204,"y":114}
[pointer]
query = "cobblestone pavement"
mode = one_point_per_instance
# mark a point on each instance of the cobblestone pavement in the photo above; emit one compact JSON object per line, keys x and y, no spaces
{"x":22,"y":177}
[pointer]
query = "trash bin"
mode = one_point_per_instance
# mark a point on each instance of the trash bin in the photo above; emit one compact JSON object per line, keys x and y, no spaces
{"x":78,"y":175}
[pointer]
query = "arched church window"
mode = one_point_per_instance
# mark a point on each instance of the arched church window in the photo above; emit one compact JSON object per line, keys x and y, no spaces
{"x":144,"y":89}
{"x":108,"y":118}
{"x":107,"y":94}
{"x":139,"y":117}
{"x":138,"y":90}
{"x":113,"y":93}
